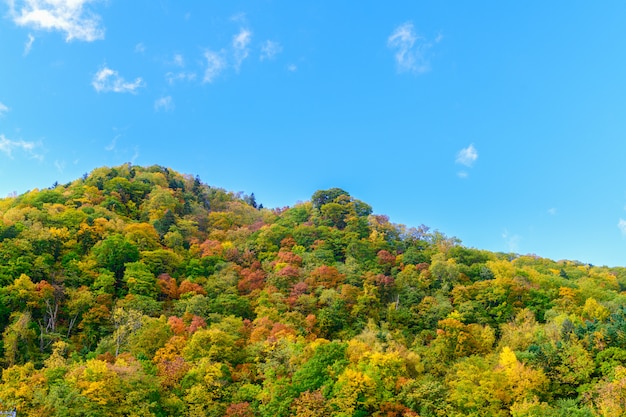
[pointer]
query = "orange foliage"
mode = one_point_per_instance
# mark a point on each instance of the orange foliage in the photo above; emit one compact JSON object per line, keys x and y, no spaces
{"x":252,"y":278}
{"x":325,"y":276}
{"x":197,"y":322}
{"x":239,"y":410}
{"x":177,"y":325}
{"x":385,"y":258}
{"x":167,"y":286}
{"x":211,"y":248}
{"x":395,"y":410}
{"x":289,"y":258}
{"x":187,"y":286}
{"x":170,"y":364}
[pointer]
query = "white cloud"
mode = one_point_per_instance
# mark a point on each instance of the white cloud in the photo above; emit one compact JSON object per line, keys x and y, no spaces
{"x":8,"y":146}
{"x":462,"y":174}
{"x":140,"y":48}
{"x":239,"y":18}
{"x":172,"y":77}
{"x":292,"y":67}
{"x":241,"y":41}
{"x":511,"y":241}
{"x":68,"y":16}
{"x":270,"y":49}
{"x":3,"y":109}
{"x":215,"y":65}
{"x":164,"y":103}
{"x":59,"y":165}
{"x":107,"y":80}
{"x":622,"y":226}
{"x":411,"y":49}
{"x":111,"y":146}
{"x":29,"y":44}
{"x":179,"y":61}
{"x":467,"y":156}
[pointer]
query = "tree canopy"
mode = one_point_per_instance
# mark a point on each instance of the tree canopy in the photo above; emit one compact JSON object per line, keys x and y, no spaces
{"x":139,"y":291}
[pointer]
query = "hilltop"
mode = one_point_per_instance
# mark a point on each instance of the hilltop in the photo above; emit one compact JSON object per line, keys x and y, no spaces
{"x":139,"y":291}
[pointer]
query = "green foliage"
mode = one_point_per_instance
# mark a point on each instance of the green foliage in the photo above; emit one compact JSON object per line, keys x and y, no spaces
{"x":114,"y":252}
{"x":139,"y":291}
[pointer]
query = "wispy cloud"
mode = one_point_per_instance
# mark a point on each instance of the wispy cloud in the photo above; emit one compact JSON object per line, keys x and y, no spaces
{"x":135,"y":155}
{"x":270,"y":49}
{"x":215,"y":64}
{"x":59,"y":165}
{"x":240,"y":18}
{"x":111,"y":146}
{"x":241,"y":50}
{"x":411,"y":49}
{"x":292,"y":68}
{"x":29,"y":44}
{"x":140,"y":48}
{"x":3,"y":109}
{"x":71,"y":17}
{"x":467,"y":156}
{"x":552,"y":211}
{"x":622,"y":226}
{"x":164,"y":104}
{"x":511,"y":241}
{"x":8,"y":147}
{"x":108,"y":80}
{"x":172,"y":77}
{"x":178,"y":60}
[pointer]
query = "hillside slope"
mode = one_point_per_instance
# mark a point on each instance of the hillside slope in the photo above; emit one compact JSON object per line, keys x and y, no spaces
{"x":138,"y":291}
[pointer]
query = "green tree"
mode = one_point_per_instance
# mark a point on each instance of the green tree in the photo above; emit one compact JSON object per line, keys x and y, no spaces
{"x":114,"y":252}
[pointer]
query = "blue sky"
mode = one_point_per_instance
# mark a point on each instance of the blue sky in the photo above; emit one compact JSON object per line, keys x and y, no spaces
{"x":500,"y":123}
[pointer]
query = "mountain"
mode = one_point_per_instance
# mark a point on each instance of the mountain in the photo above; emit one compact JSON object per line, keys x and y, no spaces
{"x":139,"y":291}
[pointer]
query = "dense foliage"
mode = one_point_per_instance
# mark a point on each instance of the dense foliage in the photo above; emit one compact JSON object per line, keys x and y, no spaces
{"x":143,"y":292}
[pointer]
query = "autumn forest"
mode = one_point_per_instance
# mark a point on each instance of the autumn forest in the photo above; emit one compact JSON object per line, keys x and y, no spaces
{"x":139,"y":291}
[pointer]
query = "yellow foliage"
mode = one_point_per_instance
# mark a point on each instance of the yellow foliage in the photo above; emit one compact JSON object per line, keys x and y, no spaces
{"x":97,"y":382}
{"x":353,"y":387}
{"x":523,"y":382}
{"x":501,"y":269}
{"x":59,"y":233}
{"x":595,"y":311}
{"x":357,"y":350}
{"x":611,"y":395}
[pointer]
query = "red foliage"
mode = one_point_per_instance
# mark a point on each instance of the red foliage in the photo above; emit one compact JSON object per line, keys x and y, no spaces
{"x":386,"y":258}
{"x":232,"y":255}
{"x":280,"y":331}
{"x":289,"y":258}
{"x":239,"y":410}
{"x":256,"y":225}
{"x":252,"y":278}
{"x":289,"y":271}
{"x":325,"y":276}
{"x":384,"y":281}
{"x":197,"y":322}
{"x":422,"y":266}
{"x":296,"y":291}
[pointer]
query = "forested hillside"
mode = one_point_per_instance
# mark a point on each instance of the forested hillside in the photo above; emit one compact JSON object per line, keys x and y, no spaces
{"x":138,"y":291}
